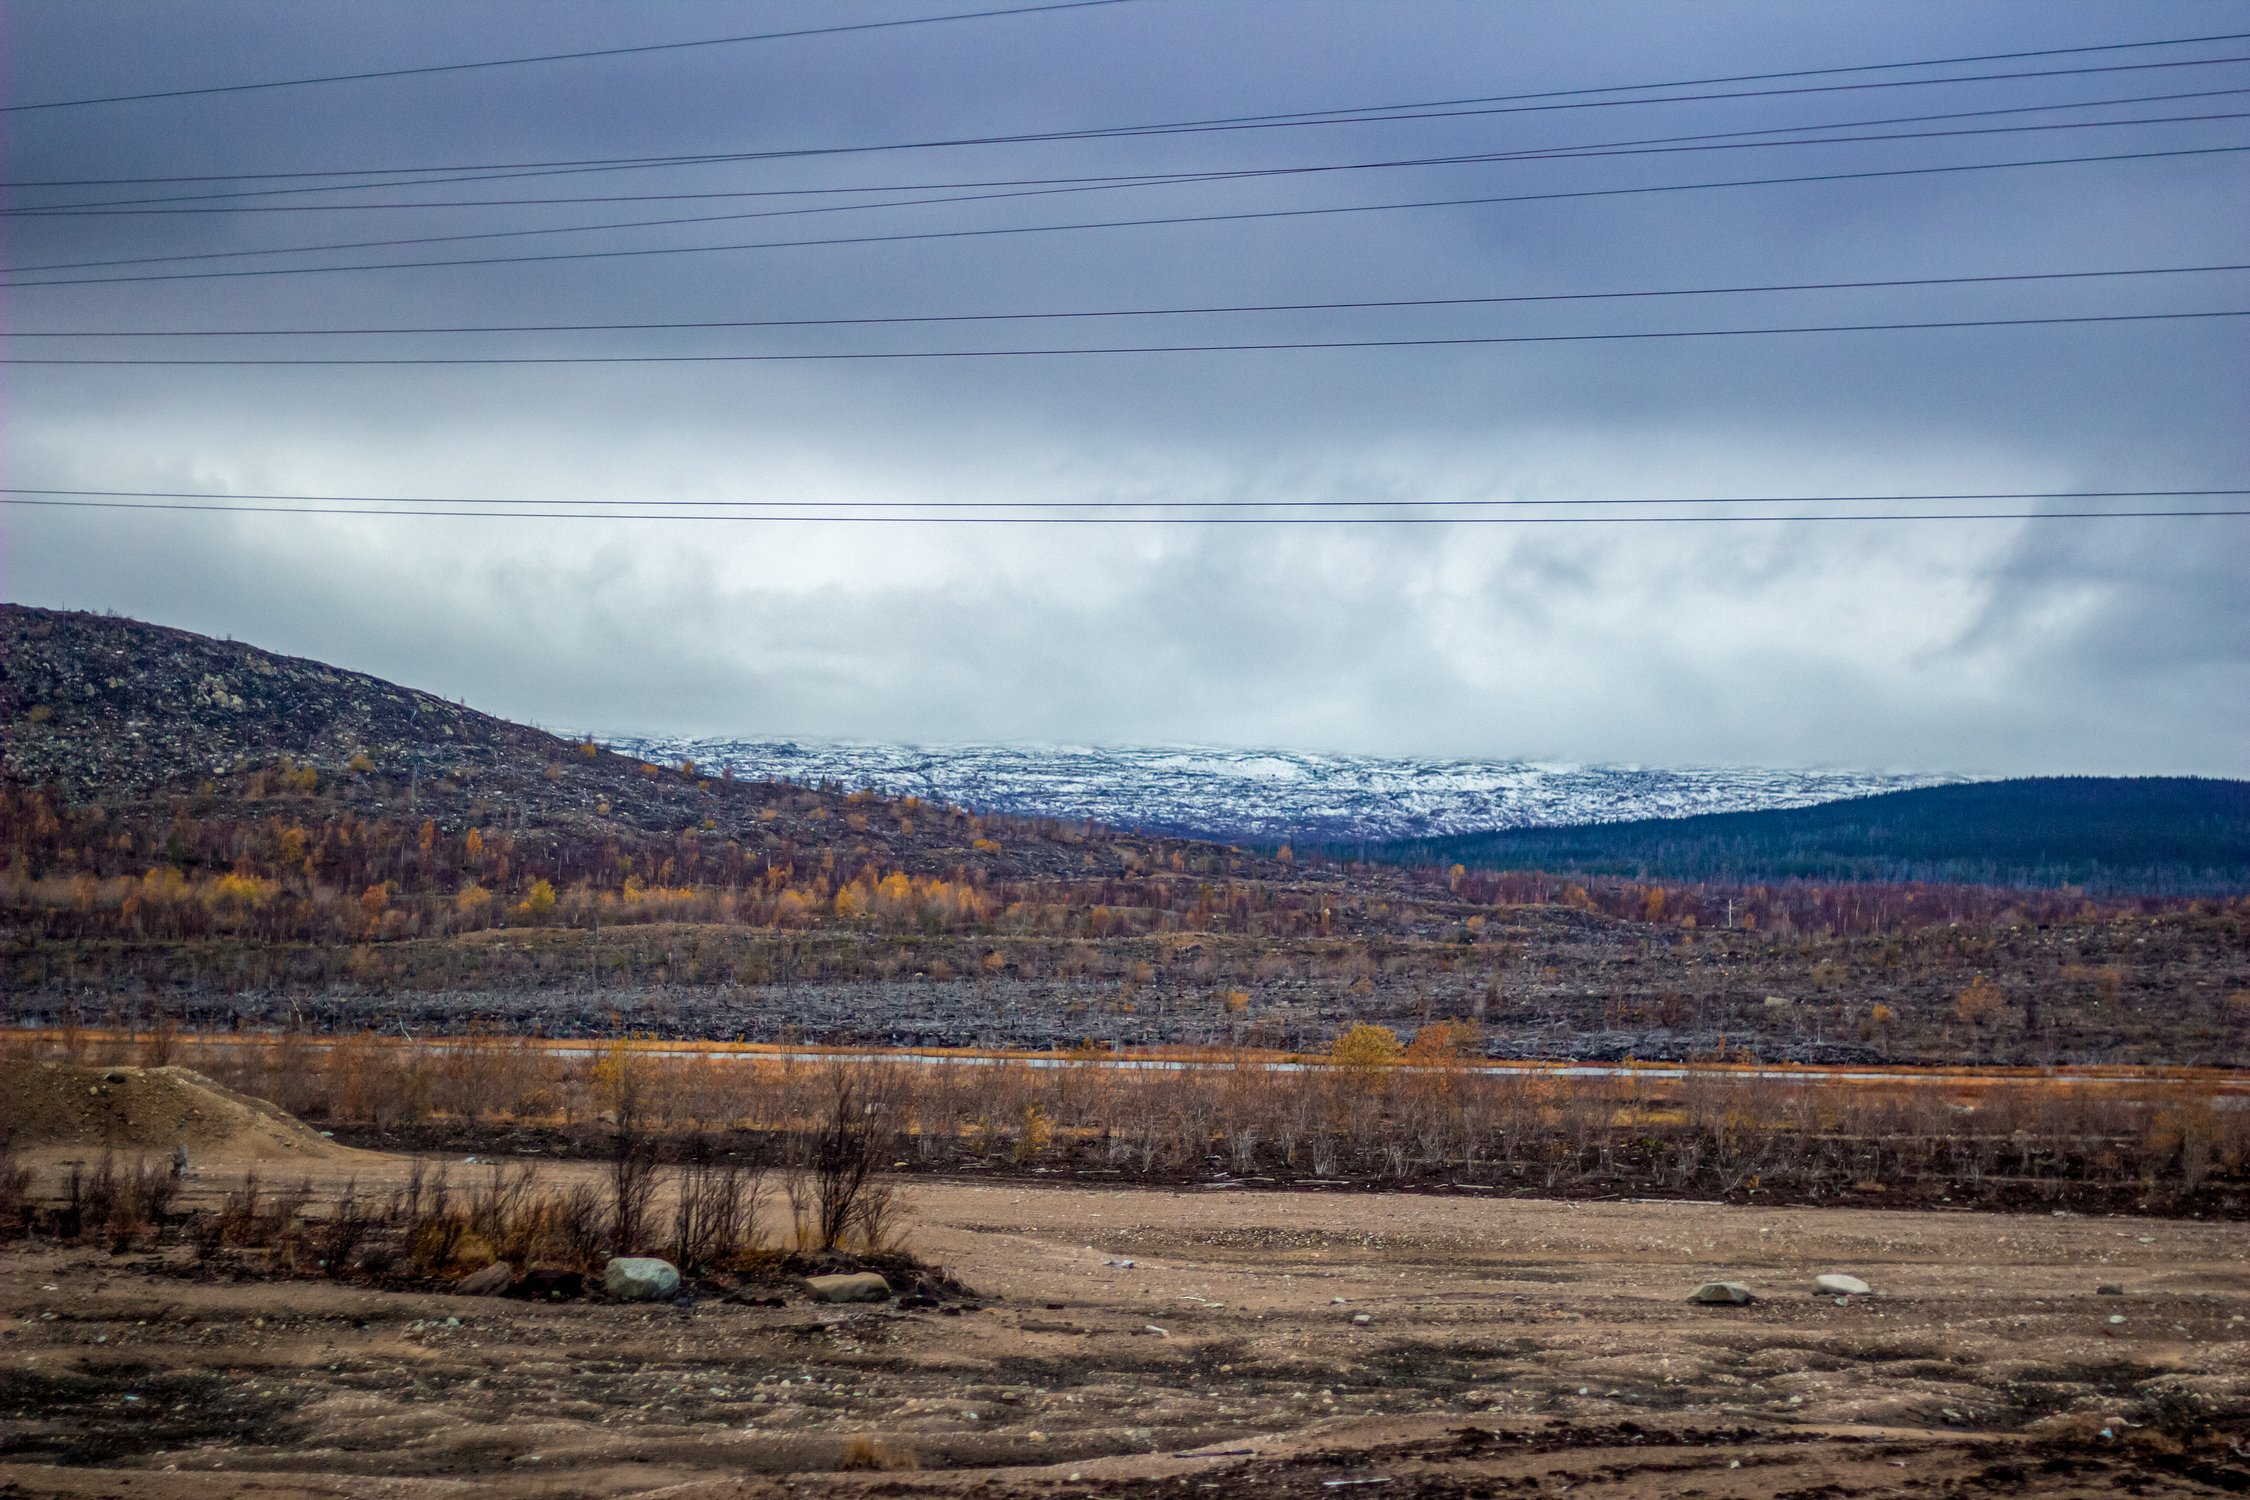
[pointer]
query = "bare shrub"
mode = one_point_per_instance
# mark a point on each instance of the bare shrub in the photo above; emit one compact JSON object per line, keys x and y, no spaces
{"x":715,"y":1213}
{"x":139,"y":1199}
{"x":848,"y":1145}
{"x":624,"y":1083}
{"x":15,"y":1193}
{"x":250,"y":1217}
{"x":502,"y":1211}
{"x":433,"y":1226}
{"x":577,"y":1224}
{"x":346,"y":1228}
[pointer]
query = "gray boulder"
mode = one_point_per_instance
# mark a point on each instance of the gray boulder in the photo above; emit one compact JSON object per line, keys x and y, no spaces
{"x":489,"y":1282}
{"x":1722,"y":1294}
{"x":640,"y":1278}
{"x":855,"y":1286}
{"x":1842,"y":1285}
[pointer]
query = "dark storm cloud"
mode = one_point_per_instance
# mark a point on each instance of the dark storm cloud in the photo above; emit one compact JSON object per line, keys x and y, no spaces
{"x":2070,"y":646}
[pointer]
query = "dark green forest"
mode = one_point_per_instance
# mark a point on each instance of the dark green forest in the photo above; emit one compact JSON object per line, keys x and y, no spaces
{"x":2156,"y":835}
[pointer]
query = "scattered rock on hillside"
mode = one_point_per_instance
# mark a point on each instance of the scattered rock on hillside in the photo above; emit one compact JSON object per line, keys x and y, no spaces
{"x":1842,"y":1285}
{"x":1722,"y":1294}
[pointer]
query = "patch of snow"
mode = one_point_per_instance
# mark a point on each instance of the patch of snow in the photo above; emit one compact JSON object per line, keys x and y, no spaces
{"x":1269,"y":795}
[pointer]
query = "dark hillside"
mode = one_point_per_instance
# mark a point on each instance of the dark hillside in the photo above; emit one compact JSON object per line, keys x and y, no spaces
{"x":2156,"y":835}
{"x":149,"y":724}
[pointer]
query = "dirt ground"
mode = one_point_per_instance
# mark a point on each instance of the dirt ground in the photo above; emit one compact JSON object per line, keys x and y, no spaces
{"x":1187,"y":1343}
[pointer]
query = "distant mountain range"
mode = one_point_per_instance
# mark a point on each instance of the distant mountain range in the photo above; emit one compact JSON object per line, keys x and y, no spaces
{"x":1269,"y":796}
{"x":2170,"y":835}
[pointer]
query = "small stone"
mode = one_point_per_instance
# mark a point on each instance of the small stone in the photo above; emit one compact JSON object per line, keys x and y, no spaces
{"x":2109,"y":1289}
{"x":1361,"y":1319}
{"x":1837,"y":1282}
{"x":2117,"y":1317}
{"x":853,"y":1286}
{"x":1722,"y":1294}
{"x":489,"y":1282}
{"x":640,"y":1278}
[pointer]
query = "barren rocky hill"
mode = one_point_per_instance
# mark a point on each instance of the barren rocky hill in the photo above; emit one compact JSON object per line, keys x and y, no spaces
{"x":103,"y":706}
{"x":96,"y":709}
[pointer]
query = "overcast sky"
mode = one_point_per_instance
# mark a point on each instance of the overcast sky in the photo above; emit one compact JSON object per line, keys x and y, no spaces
{"x":2057,"y":646}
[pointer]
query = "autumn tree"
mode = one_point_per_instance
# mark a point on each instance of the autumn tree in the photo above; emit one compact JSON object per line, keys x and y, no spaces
{"x":1366,"y":1050}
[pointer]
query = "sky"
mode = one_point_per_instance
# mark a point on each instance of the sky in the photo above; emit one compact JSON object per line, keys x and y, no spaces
{"x":2042,"y":646}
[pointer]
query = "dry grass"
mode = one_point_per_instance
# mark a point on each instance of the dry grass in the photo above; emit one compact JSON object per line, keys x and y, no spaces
{"x":865,"y":1451}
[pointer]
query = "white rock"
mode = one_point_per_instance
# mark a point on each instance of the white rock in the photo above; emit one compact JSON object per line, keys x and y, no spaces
{"x":1836,"y":1281}
{"x":640,"y":1278}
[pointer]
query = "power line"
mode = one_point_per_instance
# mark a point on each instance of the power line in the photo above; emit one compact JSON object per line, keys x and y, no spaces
{"x":1589,"y":153}
{"x":121,"y":208}
{"x":550,"y":57}
{"x":1132,"y":312}
{"x":1200,"y":520}
{"x":1361,"y":114}
{"x":1162,"y":221}
{"x":1115,"y":349}
{"x":1135,"y":504}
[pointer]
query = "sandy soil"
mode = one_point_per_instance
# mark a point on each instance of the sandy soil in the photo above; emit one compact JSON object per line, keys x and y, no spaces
{"x":149,"y":1111}
{"x":1257,"y":1344}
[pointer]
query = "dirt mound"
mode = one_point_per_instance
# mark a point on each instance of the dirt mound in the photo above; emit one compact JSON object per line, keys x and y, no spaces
{"x":148,"y":1109}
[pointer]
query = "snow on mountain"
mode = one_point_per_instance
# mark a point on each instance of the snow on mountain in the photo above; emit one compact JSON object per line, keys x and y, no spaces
{"x":1267,"y":795}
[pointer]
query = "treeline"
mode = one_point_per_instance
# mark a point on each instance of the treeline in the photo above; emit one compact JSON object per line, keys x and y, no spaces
{"x":2107,"y":835}
{"x":310,"y":871}
{"x":313,"y":871}
{"x":1374,"y":1112}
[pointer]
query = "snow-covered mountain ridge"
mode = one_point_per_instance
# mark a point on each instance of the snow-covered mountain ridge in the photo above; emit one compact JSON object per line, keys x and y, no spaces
{"x":1268,"y":795}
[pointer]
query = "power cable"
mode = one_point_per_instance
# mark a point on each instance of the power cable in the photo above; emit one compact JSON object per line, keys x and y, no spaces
{"x":1115,"y":349}
{"x":551,"y":57}
{"x":1375,"y":113}
{"x":894,"y":520}
{"x":1590,"y":153}
{"x":1133,"y":312}
{"x":1141,"y":504}
{"x":113,"y":210}
{"x":1163,"y":221}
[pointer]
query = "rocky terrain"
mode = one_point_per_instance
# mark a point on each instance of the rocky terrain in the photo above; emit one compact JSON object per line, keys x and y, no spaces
{"x":1148,"y":1343}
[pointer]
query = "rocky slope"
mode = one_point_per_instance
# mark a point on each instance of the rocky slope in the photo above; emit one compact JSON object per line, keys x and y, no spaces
{"x":97,"y":709}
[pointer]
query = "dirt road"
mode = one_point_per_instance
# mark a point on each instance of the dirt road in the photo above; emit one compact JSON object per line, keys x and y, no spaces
{"x":1288,"y":1344}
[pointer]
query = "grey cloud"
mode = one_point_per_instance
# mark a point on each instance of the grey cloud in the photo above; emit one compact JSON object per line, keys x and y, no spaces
{"x":2065,"y":647}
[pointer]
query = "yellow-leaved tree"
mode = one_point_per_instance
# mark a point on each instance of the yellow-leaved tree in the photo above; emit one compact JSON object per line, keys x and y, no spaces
{"x":1366,"y":1049}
